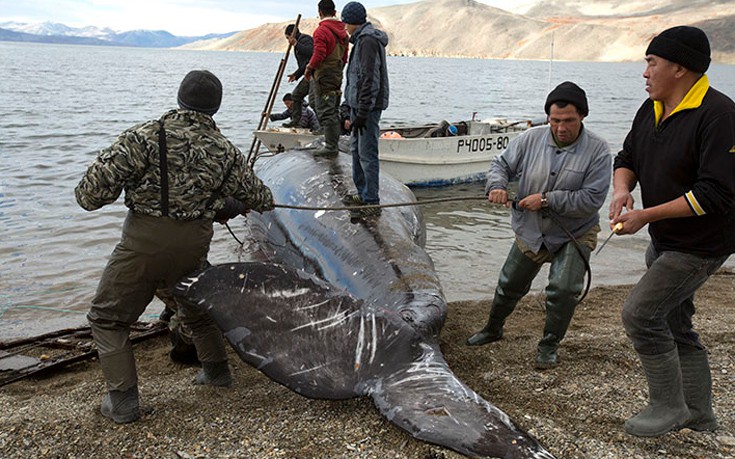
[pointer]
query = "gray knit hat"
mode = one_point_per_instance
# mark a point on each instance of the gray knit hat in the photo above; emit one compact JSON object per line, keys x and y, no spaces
{"x":201,"y":91}
{"x":685,"y":45}
{"x":354,"y":13}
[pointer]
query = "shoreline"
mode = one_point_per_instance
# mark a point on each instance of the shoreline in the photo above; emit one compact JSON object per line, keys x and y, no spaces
{"x":576,"y":410}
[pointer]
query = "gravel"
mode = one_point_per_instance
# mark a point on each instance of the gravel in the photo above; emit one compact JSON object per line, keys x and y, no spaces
{"x":576,"y":410}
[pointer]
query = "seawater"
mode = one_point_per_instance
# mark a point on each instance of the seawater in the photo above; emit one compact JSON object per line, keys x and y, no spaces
{"x":61,"y":104}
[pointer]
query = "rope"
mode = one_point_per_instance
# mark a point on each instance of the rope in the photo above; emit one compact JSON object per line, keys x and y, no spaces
{"x":556,"y":221}
{"x":397,"y":204}
{"x":233,"y":234}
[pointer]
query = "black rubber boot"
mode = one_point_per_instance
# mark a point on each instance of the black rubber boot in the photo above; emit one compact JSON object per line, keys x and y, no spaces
{"x":697,"y":383}
{"x":215,"y":374}
{"x":182,"y":350}
{"x":667,"y":409}
{"x":121,"y":406}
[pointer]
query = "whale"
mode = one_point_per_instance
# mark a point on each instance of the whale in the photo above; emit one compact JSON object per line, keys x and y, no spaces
{"x":334,"y":307}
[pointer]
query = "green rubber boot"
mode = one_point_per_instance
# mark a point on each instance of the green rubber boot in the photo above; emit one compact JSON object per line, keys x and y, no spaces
{"x":331,"y":140}
{"x":546,"y":356}
{"x":667,"y":410}
{"x":514,"y":282}
{"x":697,"y":383}
{"x":566,"y":280}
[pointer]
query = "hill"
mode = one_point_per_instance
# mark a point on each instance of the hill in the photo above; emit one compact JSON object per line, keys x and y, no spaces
{"x":605,"y":30}
{"x":52,"y":32}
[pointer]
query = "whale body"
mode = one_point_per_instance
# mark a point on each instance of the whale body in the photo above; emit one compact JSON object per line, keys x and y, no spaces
{"x":335,"y":308}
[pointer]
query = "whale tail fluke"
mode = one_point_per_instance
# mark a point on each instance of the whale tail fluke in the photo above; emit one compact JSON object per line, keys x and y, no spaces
{"x":428,"y":401}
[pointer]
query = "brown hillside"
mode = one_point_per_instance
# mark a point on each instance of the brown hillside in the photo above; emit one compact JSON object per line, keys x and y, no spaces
{"x":606,"y":30}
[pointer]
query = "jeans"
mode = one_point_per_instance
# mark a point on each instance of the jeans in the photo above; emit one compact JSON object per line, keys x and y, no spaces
{"x":657,"y":315}
{"x":365,"y":164}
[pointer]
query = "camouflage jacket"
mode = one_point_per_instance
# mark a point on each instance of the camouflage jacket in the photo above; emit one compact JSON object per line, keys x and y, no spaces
{"x":199,"y":158}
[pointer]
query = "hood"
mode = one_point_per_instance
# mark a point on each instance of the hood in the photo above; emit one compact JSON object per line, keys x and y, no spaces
{"x":336,"y":26}
{"x":367,"y":29}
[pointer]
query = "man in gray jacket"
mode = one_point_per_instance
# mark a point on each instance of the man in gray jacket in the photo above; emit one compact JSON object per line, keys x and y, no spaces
{"x":564,"y":175}
{"x":367,"y":96}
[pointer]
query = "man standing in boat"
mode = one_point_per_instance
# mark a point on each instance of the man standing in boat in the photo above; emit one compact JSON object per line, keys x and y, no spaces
{"x":303,"y":48}
{"x":177,"y":172}
{"x":564,"y":174}
{"x":325,"y":69}
{"x":367,"y":96}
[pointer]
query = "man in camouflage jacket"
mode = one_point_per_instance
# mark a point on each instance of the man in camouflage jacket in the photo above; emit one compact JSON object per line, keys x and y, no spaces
{"x":177,"y":172}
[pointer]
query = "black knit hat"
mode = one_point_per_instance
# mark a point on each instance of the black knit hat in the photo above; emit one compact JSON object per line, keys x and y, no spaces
{"x":685,"y":45}
{"x":570,"y":93}
{"x":354,"y":13}
{"x":201,"y":91}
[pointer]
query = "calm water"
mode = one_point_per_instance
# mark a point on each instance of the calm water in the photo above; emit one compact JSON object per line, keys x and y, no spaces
{"x":61,"y":104}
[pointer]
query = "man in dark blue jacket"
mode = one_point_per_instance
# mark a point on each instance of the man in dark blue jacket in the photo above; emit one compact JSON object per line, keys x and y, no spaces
{"x":681,"y":150}
{"x":303,"y":47}
{"x":367,"y":96}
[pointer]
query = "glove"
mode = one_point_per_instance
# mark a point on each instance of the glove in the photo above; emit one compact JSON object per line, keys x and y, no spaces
{"x":358,"y":124}
{"x":231,"y":209}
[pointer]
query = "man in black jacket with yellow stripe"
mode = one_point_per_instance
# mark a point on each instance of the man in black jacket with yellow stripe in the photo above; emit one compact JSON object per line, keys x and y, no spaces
{"x":681,"y":150}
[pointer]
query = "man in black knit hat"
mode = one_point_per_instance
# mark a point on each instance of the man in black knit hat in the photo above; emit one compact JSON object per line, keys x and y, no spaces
{"x":681,"y":150}
{"x":177,"y":173}
{"x":564,"y":173}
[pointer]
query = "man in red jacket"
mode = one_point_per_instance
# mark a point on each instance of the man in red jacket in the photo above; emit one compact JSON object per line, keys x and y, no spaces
{"x":325,"y":67}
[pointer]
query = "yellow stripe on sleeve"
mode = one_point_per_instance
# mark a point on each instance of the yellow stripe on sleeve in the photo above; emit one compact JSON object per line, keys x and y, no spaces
{"x":694,"y":204}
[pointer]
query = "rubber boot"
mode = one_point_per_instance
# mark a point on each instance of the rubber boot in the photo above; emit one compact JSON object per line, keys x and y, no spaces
{"x":697,"y":383}
{"x":121,"y":406}
{"x":546,"y":355}
{"x":493,"y":330}
{"x":215,"y":374}
{"x":514,"y":282}
{"x":667,"y":409}
{"x":182,"y":350}
{"x":566,"y":278}
{"x":331,"y":140}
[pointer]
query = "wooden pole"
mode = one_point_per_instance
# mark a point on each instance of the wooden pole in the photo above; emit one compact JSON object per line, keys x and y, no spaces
{"x":266,"y":113}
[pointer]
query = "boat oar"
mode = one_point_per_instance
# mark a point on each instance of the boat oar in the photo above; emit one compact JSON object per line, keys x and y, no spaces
{"x":266,"y":113}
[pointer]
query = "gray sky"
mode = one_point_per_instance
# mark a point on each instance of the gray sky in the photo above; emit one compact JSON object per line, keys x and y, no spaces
{"x":183,"y":17}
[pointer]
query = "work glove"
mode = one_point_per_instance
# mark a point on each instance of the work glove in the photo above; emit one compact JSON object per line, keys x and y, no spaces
{"x":231,"y":209}
{"x":358,"y":124}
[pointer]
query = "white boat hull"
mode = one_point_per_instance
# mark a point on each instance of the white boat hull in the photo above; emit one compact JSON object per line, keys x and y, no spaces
{"x":422,"y":161}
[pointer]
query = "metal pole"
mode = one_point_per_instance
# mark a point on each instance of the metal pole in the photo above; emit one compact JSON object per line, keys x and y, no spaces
{"x":266,"y":113}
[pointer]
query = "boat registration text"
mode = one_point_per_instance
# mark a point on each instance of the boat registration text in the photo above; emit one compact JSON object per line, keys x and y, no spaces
{"x":489,"y":143}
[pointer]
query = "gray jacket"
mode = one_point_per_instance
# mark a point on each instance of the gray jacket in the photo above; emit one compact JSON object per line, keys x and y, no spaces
{"x":576,"y":179}
{"x":367,"y":72}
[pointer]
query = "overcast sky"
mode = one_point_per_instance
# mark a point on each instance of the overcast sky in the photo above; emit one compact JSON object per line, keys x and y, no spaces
{"x":183,"y":17}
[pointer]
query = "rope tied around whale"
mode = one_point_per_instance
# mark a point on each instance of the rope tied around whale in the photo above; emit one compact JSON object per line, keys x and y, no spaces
{"x":556,"y":221}
{"x":397,"y":204}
